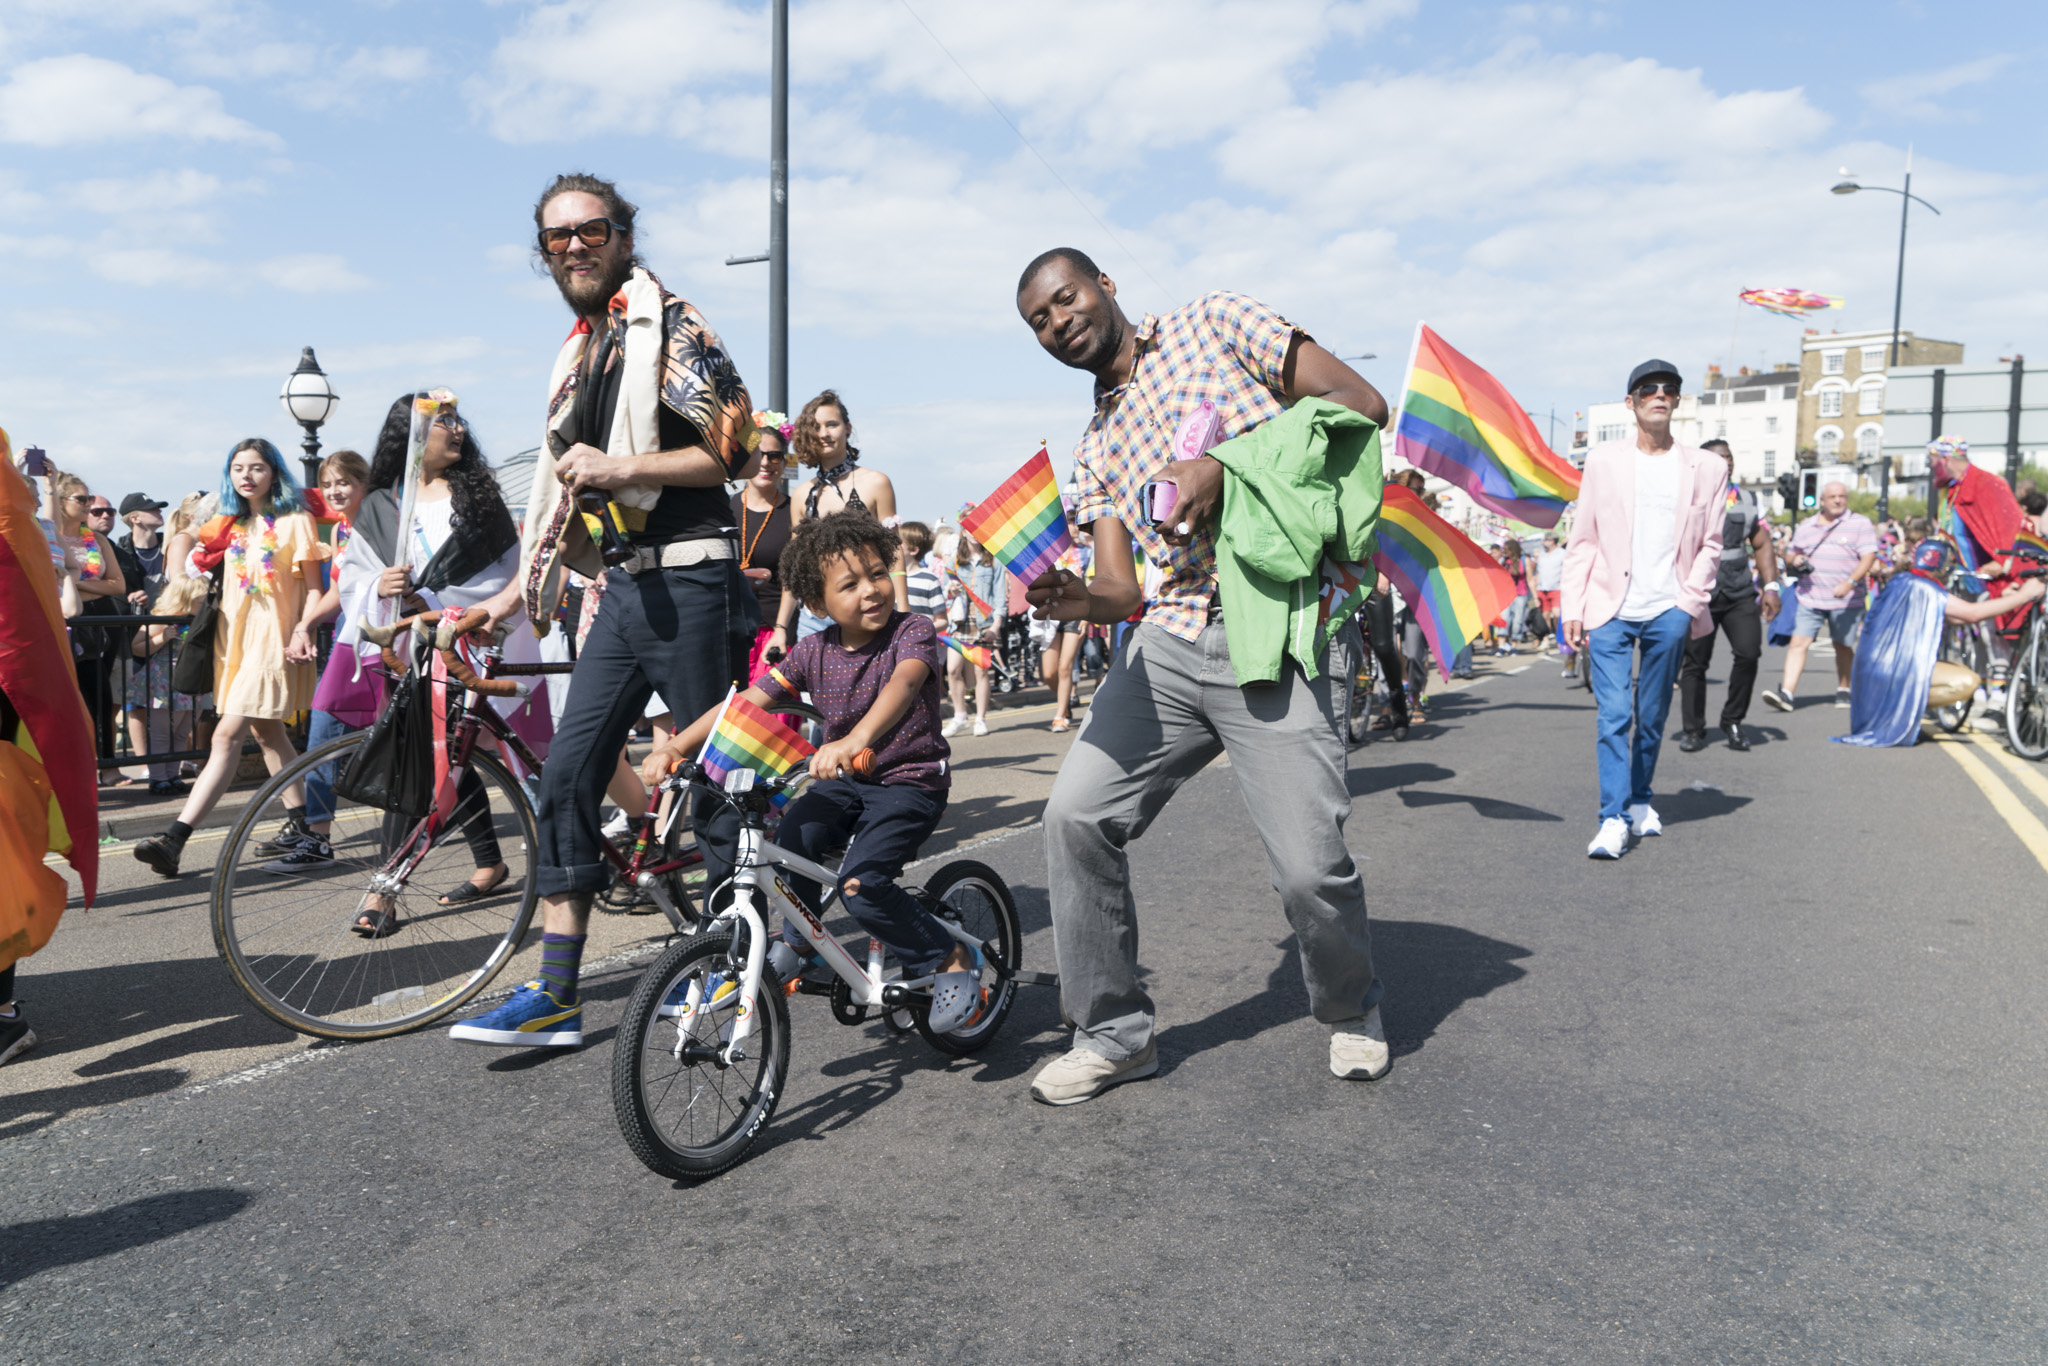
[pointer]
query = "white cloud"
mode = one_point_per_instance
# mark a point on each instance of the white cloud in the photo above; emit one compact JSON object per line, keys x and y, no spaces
{"x":1912,"y":96}
{"x":67,"y":101}
{"x":349,"y":82}
{"x":152,"y":267}
{"x":313,"y":273}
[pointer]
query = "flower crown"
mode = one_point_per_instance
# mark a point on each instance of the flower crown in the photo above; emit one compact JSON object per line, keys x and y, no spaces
{"x":770,"y":420}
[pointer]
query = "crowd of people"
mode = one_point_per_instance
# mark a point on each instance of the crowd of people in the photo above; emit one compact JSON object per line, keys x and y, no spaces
{"x":677,"y":590}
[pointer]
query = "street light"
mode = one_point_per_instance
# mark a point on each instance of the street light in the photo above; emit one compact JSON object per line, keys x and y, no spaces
{"x":1848,"y":185}
{"x":310,"y":399}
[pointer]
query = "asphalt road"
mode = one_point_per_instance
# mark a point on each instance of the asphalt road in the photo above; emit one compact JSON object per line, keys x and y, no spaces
{"x":1766,"y":1090}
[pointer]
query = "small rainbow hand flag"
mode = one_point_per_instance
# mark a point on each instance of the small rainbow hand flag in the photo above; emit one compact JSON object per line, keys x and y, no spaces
{"x":1455,"y":587}
{"x":2027,"y":540}
{"x":1022,"y":523}
{"x":747,"y":737}
{"x":972,"y":596}
{"x":980,"y":656}
{"x":1460,"y":423}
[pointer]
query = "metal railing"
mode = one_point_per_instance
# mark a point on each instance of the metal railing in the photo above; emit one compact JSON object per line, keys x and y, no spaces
{"x":136,"y":717}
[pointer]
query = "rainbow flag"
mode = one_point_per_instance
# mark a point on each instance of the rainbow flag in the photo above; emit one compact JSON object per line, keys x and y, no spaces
{"x":1455,"y":587}
{"x":747,"y":737}
{"x":1022,"y":523}
{"x":1949,"y":522}
{"x":980,"y":656}
{"x":2027,"y":540}
{"x":1459,"y":423}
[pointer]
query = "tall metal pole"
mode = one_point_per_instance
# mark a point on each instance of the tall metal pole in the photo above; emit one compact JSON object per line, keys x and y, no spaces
{"x":1884,"y":469}
{"x":778,"y":219}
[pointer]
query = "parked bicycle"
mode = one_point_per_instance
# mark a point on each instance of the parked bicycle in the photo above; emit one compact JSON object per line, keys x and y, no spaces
{"x":703,"y":1050}
{"x":297,"y":942}
{"x":2026,"y":684}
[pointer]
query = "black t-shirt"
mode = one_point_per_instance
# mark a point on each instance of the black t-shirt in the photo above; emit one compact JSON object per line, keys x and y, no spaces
{"x":683,"y":513}
{"x":763,"y":535}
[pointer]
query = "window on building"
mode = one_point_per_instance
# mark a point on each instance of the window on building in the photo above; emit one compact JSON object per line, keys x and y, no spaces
{"x":1828,"y":441}
{"x":1871,"y":400}
{"x":1869,"y":439}
{"x":1709,"y":399}
{"x":1771,"y":426}
{"x":1831,"y":362}
{"x":1831,"y":403}
{"x":1770,"y":464}
{"x":1791,"y":392}
{"x":1610,"y":431}
{"x":1721,"y":429}
{"x":1873,"y":357}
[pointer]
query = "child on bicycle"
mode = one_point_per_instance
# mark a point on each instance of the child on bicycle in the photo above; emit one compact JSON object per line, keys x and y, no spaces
{"x":874,"y":677}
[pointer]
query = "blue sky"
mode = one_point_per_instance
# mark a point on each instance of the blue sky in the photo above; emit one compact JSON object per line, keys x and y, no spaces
{"x":195,"y":189}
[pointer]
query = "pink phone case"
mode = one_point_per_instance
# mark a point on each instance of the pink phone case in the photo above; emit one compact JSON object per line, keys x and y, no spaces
{"x":1165,"y":493}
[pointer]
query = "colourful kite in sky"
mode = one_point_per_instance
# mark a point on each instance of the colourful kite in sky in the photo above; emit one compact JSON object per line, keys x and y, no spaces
{"x":1789,"y":303}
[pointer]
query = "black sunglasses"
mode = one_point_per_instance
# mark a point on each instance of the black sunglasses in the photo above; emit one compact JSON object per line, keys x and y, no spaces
{"x":104,"y":510}
{"x":594,"y":232}
{"x":1657,"y":386}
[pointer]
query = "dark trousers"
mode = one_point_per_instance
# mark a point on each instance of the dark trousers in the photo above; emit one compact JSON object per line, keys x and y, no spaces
{"x":666,"y":630}
{"x":1378,"y":613}
{"x":1742,"y":621}
{"x":96,"y":682}
{"x":888,"y":825}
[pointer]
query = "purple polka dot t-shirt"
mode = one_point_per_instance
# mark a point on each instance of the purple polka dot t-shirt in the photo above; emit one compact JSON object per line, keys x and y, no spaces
{"x":844,"y":684}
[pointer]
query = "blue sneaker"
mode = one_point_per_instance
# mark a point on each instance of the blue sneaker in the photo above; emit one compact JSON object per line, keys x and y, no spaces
{"x":532,"y":1019}
{"x":717,"y":987}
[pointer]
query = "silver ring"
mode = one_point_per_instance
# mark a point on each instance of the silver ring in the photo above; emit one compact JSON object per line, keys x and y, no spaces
{"x":1182,"y":529}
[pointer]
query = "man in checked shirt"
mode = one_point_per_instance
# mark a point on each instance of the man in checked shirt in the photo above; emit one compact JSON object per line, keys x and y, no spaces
{"x":1171,"y":703}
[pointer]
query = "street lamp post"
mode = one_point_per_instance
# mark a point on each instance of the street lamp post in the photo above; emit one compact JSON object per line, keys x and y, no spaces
{"x":310,"y":399}
{"x":777,"y":255}
{"x":1848,"y":185}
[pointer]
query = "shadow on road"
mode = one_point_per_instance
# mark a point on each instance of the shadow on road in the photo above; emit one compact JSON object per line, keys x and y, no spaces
{"x":91,"y":1007}
{"x":1688,"y":804}
{"x":1368,"y":779}
{"x":1492,"y":808}
{"x":28,"y":1111}
{"x":40,"y":1244}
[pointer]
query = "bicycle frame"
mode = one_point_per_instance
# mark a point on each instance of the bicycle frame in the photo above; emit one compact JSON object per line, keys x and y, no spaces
{"x":753,"y":894}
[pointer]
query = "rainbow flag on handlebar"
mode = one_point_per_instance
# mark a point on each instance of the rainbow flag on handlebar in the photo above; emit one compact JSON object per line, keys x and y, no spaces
{"x":747,"y":737}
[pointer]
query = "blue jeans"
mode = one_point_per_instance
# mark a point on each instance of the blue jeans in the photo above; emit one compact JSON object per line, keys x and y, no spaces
{"x":1628,"y":763}
{"x":888,"y":825}
{"x":320,"y":782}
{"x":1518,"y":618}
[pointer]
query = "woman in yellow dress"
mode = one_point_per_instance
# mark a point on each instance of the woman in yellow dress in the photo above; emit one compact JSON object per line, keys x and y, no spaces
{"x":268,"y":553}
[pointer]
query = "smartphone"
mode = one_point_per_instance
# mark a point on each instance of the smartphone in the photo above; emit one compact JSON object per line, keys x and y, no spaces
{"x":1158,"y":498}
{"x":35,"y":462}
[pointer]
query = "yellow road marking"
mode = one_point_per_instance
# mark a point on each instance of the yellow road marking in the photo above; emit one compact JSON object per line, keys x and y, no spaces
{"x":2032,"y":833}
{"x":2028,"y":775}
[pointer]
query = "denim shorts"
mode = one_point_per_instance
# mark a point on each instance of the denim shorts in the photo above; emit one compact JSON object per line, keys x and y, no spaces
{"x":1844,"y":622}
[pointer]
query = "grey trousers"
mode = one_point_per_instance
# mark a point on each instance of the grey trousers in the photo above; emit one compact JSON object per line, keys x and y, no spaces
{"x":1165,"y":710}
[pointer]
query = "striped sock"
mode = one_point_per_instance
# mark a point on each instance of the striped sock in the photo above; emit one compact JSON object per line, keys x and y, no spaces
{"x":561,"y":957}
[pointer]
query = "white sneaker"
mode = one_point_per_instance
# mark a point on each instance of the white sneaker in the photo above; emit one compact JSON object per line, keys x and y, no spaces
{"x":1777,"y":699}
{"x":615,"y":829}
{"x":953,"y":727}
{"x":1642,"y":820}
{"x":980,"y":726}
{"x":1612,"y":841}
{"x":1358,"y":1048}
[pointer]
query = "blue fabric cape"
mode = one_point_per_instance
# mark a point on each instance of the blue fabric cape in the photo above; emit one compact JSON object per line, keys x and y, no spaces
{"x":1894,"y":663}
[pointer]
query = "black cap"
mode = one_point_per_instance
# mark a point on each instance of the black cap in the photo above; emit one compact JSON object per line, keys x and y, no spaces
{"x":1651,"y":369}
{"x":141,"y":502}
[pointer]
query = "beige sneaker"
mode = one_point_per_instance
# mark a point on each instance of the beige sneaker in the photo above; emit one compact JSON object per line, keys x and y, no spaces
{"x":1084,"y":1075}
{"x":1358,"y":1048}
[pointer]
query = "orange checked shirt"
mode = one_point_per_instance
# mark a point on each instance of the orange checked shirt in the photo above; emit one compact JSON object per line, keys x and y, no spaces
{"x":1227,"y":348}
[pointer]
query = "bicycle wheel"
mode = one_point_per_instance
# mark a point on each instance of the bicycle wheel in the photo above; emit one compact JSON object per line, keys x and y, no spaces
{"x":976,"y":898}
{"x":287,"y":935}
{"x":1960,"y":645}
{"x":684,"y":1111}
{"x":2026,"y":697}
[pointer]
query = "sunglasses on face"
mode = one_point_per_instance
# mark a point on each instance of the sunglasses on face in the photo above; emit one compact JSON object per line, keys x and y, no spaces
{"x":594,"y":232}
{"x":100,"y":512}
{"x":1650,"y":388}
{"x":451,"y":422}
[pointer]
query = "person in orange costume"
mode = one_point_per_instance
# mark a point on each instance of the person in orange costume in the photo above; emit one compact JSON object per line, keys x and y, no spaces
{"x":48,"y":800}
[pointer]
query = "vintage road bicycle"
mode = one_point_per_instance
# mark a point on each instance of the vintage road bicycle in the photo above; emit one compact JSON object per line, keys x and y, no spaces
{"x":703,"y":1050}
{"x":291,"y":940}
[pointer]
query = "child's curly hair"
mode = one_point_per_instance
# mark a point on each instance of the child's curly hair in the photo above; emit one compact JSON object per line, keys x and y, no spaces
{"x":826,"y":538}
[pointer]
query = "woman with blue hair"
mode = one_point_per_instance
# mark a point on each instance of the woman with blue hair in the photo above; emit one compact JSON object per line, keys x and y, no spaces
{"x":265,"y":554}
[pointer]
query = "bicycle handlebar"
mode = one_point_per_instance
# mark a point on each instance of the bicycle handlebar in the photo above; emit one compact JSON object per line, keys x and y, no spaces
{"x":458,"y":668}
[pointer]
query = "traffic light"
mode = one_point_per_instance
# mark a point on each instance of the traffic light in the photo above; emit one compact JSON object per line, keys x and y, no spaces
{"x":1809,"y":490}
{"x":1788,"y":489}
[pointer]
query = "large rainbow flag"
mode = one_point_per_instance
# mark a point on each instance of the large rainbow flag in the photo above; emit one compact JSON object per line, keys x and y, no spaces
{"x":1461,"y":424}
{"x":1022,"y":523}
{"x":747,"y":737}
{"x":1456,"y":589}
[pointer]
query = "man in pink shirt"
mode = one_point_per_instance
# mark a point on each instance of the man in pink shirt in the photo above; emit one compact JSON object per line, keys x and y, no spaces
{"x":1638,"y":574}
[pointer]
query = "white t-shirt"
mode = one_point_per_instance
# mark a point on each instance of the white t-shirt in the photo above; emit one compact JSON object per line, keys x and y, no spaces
{"x":1653,"y":550}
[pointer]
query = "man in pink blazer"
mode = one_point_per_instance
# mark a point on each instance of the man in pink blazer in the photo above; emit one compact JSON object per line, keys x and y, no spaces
{"x":1638,"y":572}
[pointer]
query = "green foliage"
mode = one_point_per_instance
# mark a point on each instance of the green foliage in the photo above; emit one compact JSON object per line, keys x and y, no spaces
{"x":1902,"y":508}
{"x":2035,"y":472}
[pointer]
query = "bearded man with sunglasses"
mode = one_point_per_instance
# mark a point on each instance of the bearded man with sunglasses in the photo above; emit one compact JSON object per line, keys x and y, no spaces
{"x":1639,"y":573}
{"x":647,"y":421}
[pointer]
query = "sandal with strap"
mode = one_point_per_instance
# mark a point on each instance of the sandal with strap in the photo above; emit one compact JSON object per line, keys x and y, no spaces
{"x":376,"y":922}
{"x":469,"y":891}
{"x":1061,"y":725}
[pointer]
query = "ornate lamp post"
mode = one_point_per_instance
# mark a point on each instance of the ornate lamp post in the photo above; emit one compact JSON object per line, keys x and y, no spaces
{"x":310,"y":399}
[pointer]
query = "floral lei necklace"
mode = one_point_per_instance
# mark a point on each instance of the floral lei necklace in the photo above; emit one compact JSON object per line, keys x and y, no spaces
{"x":95,"y":566}
{"x":262,"y":551}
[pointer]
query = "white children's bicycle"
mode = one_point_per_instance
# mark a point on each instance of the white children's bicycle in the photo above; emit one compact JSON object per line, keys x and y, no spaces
{"x":703,"y":1049}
